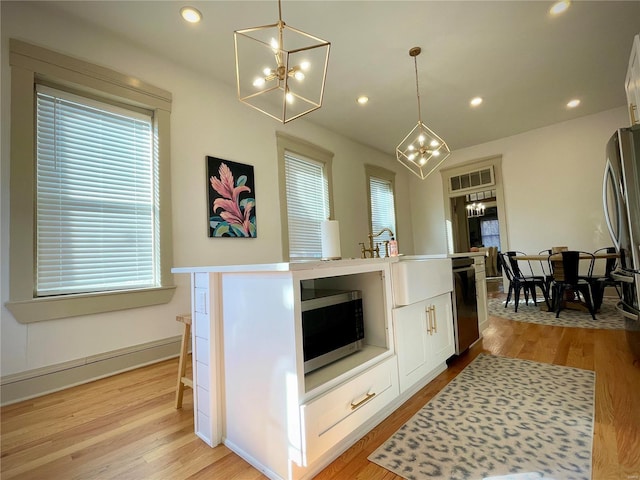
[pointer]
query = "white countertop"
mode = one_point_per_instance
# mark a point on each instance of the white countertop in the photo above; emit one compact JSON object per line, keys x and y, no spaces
{"x":467,"y":254}
{"x":305,"y":265}
{"x":279,"y":267}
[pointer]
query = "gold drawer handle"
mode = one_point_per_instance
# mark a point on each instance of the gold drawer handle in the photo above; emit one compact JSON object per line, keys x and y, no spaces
{"x":368,"y":397}
{"x":632,"y":109}
{"x":435,"y":319}
{"x":427,"y":310}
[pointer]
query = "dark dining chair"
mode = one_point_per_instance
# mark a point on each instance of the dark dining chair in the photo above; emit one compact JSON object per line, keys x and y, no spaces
{"x":567,"y":277}
{"x":519,"y":280}
{"x":599,"y":281}
{"x":546,"y":270}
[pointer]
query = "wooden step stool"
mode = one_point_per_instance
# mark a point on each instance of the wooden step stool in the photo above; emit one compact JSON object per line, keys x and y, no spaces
{"x":182,"y":366}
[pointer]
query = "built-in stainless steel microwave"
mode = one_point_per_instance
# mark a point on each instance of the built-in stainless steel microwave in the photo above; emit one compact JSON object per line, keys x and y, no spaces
{"x":332,"y":326}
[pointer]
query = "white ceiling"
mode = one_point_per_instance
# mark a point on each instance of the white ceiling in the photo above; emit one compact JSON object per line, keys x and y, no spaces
{"x":525,"y":64}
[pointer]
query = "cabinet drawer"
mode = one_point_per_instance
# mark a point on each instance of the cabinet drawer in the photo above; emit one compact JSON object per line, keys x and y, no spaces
{"x":329,"y":418}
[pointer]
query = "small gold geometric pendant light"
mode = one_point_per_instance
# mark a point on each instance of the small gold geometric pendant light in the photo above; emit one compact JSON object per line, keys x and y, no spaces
{"x":421,"y":151}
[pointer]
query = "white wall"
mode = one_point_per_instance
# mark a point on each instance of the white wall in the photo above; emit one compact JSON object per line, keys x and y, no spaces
{"x":206,"y":120}
{"x":552,"y":181}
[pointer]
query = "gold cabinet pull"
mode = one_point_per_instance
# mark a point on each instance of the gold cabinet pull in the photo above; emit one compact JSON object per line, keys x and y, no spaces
{"x":435,"y":319}
{"x":367,"y":397}
{"x":427,"y":311}
{"x":632,"y":114}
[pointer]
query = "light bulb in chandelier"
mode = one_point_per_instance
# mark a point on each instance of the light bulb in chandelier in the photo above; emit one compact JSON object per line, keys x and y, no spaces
{"x":419,"y":149}
{"x":297,"y":72}
{"x":270,"y":74}
{"x":289,"y":96}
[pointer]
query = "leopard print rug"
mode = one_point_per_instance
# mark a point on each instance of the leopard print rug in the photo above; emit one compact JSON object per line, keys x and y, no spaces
{"x":499,"y":416}
{"x":607,"y":317}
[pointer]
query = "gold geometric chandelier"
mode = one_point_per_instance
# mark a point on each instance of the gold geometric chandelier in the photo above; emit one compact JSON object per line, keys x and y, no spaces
{"x":280,"y":70}
{"x":421,"y":151}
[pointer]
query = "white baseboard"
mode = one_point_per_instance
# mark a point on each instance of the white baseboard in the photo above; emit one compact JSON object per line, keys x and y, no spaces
{"x":40,"y":381}
{"x":483,"y":326}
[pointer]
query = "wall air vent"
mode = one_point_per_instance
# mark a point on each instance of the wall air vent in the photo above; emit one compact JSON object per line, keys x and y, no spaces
{"x":472,"y":180}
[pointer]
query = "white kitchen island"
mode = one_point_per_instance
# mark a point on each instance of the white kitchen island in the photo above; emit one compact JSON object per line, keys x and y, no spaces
{"x":250,"y":390}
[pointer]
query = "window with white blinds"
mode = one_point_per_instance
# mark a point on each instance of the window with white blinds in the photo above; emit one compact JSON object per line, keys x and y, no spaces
{"x":96,"y":199}
{"x":307,"y":205}
{"x":382,"y":208}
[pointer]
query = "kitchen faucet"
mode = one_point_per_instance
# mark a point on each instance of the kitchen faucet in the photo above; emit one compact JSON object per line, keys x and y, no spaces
{"x":374,"y":251}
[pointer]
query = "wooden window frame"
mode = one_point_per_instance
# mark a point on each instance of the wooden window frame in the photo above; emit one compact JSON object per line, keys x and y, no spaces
{"x":30,"y":65}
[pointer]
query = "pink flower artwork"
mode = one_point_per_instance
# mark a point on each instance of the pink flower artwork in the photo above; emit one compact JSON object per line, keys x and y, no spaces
{"x":232,"y":205}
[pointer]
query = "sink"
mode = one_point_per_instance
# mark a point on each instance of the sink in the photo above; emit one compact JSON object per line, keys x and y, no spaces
{"x":416,"y":279}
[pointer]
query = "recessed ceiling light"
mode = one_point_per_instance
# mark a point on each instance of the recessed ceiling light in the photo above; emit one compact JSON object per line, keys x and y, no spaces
{"x":362,"y":99}
{"x":559,"y":7}
{"x":476,"y":101}
{"x":191,"y":14}
{"x":573,"y":103}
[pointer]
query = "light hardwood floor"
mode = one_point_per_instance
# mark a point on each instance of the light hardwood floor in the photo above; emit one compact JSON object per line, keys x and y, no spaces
{"x":126,"y":427}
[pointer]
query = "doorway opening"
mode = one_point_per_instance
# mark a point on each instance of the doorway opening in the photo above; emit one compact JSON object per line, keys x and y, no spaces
{"x":478,"y":227}
{"x":485,"y":231}
{"x":478,"y":181}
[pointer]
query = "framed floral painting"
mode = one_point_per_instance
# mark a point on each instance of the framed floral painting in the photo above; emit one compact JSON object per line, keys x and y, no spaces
{"x":232,"y":202}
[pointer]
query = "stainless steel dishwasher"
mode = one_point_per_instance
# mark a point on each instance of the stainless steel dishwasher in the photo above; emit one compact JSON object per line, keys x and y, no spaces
{"x":465,"y":304}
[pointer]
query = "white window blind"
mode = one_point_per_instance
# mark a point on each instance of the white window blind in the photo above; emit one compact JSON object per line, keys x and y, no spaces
{"x":382,"y":209}
{"x":490,"y":231}
{"x":96,"y":196}
{"x":307,"y":205}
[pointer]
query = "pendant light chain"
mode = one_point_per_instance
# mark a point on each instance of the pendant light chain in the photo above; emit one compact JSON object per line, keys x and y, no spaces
{"x":281,"y":69}
{"x":415,"y":62}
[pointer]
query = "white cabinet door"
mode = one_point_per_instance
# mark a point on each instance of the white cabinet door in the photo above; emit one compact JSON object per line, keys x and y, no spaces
{"x":632,"y":82}
{"x":442,"y":344}
{"x":424,"y":336}
{"x":411,"y":324}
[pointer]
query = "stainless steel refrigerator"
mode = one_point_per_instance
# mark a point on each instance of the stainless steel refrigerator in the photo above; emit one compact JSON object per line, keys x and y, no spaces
{"x":621,"y":198}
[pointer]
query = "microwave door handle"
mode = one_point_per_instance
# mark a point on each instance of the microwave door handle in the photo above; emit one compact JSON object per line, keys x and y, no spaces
{"x":610,"y":174}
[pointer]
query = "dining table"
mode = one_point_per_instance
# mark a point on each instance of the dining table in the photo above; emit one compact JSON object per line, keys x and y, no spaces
{"x":570,"y":303}
{"x":558,"y":256}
